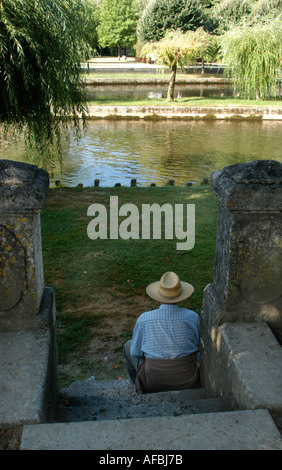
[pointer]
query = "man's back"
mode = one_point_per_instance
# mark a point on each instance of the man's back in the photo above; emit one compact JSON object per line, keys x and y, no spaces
{"x":162,"y":354}
{"x":166,"y":333}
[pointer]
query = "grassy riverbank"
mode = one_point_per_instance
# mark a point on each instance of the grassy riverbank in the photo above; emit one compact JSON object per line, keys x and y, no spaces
{"x":188,"y":101}
{"x":136,"y":78}
{"x":100,"y":285}
{"x":154,"y":75}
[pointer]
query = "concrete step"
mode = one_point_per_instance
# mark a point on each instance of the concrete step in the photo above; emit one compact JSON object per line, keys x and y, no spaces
{"x":82,"y":389}
{"x":92,"y":400}
{"x":234,"y":430}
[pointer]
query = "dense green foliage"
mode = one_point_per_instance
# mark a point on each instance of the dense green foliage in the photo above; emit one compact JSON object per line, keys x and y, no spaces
{"x":42,"y":43}
{"x":253,"y":55}
{"x":265,"y":9}
{"x":118,"y":20}
{"x":90,"y":22}
{"x":162,"y":15}
{"x":228,"y":14}
{"x":248,"y":31}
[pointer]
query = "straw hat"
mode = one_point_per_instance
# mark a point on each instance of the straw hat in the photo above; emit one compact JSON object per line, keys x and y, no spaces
{"x":169,"y":289}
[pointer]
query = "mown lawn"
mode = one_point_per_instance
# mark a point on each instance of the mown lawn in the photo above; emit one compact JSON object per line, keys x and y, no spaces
{"x":218,"y":101}
{"x":154,"y":75}
{"x":100,"y":284}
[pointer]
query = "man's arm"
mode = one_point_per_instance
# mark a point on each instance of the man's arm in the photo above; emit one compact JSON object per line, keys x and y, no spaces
{"x":136,"y":342}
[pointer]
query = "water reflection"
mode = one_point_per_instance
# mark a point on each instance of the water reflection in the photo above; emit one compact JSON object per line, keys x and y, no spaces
{"x":117,"y":151}
{"x":156,"y":91}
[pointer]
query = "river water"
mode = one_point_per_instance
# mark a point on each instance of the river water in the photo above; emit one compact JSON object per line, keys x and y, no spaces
{"x":142,"y":91}
{"x":154,"y":152}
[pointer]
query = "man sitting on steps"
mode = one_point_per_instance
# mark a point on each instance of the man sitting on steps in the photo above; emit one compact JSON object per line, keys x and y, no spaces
{"x":165,"y":343}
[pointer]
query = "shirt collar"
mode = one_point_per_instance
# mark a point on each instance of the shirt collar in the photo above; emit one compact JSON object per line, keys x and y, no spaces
{"x":166,"y":306}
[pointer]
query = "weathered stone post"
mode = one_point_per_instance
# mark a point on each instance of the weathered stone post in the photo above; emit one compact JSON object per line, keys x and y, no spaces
{"x":247,"y":284}
{"x":27,"y":307}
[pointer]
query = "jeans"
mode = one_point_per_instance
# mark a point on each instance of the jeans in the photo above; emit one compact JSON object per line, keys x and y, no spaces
{"x":132,"y":362}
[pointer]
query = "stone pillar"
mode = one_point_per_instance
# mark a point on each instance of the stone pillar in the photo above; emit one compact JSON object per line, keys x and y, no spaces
{"x":247,"y":284}
{"x":23,"y":190}
{"x":28,"y":359}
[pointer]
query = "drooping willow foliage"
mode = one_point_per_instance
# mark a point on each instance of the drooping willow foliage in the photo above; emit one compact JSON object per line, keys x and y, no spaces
{"x":42,"y":43}
{"x":253,"y":55}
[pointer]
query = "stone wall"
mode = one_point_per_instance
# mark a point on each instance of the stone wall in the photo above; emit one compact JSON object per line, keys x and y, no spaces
{"x":28,"y":360}
{"x":246,"y":289}
{"x":247,"y":283}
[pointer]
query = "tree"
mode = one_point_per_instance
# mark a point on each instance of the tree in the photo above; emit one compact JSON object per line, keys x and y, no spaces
{"x":228,"y":13}
{"x":140,"y":5}
{"x":253,"y":56}
{"x":118,"y":20}
{"x":264,"y":10}
{"x":231,"y":13}
{"x":91,"y":22}
{"x":162,"y":15}
{"x":42,"y":43}
{"x":177,"y":49}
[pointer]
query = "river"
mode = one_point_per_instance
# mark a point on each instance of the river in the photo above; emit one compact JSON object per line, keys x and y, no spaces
{"x":154,"y":152}
{"x":142,"y":91}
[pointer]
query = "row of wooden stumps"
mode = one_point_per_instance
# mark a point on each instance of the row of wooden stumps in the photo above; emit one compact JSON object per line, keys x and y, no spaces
{"x":170,"y":182}
{"x":134,"y":183}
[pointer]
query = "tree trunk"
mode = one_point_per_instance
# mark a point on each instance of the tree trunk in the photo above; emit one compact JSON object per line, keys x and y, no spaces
{"x":170,"y":93}
{"x":203,"y":67}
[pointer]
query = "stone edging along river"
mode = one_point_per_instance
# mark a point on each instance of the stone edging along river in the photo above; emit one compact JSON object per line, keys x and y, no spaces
{"x":158,"y":81}
{"x":178,"y":112}
{"x":185,"y":112}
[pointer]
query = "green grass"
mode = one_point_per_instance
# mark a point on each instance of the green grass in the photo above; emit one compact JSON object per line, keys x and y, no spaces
{"x":190,"y":101}
{"x":100,"y":284}
{"x":158,"y":75}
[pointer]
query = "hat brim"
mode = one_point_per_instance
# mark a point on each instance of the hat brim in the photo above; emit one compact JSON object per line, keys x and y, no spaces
{"x":153,"y":291}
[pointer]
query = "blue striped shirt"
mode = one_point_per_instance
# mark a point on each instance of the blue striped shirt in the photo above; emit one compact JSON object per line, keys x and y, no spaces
{"x":168,"y":332}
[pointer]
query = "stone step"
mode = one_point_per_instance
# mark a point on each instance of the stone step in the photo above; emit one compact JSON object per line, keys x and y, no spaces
{"x":92,"y":400}
{"x":233,"y":430}
{"x":89,"y":388}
